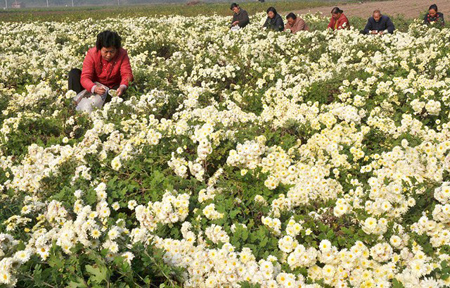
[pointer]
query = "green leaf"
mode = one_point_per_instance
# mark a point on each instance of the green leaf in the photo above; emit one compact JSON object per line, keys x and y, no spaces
{"x":78,"y":284}
{"x":397,"y":284}
{"x":55,"y":261}
{"x":98,"y":274}
{"x":20,"y":246}
{"x":249,"y":285}
{"x":37,"y":275}
{"x":244,"y":234}
{"x":234,"y":213}
{"x":263,"y":242}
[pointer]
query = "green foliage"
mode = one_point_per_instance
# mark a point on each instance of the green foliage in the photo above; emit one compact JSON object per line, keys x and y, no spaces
{"x":90,"y":268}
{"x":397,"y":284}
{"x":249,"y":285}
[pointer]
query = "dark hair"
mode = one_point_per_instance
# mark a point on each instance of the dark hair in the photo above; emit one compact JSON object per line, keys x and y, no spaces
{"x":434,"y":7}
{"x":336,"y":10}
{"x":377,"y":12}
{"x":108,"y":39}
{"x":233,"y":5}
{"x":292,"y":16}
{"x":273,"y":10}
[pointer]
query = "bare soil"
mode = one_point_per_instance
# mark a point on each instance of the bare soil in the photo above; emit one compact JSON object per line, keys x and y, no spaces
{"x":407,"y":8}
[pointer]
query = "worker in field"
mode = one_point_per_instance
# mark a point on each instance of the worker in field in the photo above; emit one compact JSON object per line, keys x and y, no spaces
{"x":240,"y":17}
{"x":105,"y":67}
{"x":295,"y":24}
{"x":379,"y":24}
{"x":274,"y":21}
{"x":338,"y":20}
{"x":434,"y":17}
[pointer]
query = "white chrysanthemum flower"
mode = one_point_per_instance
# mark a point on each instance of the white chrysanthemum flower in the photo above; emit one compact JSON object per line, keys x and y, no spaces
{"x":116,"y":164}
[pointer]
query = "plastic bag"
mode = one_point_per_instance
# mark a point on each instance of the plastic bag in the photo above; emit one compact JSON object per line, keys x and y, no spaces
{"x":86,"y":101}
{"x":88,"y":104}
{"x":80,"y":96}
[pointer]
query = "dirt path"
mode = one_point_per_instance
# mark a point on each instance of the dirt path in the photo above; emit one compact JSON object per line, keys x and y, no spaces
{"x":407,"y":8}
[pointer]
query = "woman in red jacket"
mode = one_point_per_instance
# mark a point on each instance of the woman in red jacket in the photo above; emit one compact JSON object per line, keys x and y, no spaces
{"x":338,"y":20}
{"x":106,"y":66}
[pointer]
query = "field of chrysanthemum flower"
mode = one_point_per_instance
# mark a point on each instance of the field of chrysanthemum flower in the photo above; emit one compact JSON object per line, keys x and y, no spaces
{"x":236,"y":159}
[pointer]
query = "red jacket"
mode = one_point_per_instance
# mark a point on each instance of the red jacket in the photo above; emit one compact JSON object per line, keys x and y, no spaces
{"x":112,"y":73}
{"x":340,"y":23}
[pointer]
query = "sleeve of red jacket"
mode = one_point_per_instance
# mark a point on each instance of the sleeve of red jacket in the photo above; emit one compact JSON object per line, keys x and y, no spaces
{"x":87,"y":74}
{"x":125,"y":71}
{"x":344,"y":24}
{"x":331,"y":25}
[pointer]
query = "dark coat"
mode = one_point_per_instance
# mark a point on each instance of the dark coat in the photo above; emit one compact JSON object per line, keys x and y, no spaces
{"x":242,"y":17}
{"x":276,"y":23}
{"x":385,"y":23}
{"x":439,"y":18}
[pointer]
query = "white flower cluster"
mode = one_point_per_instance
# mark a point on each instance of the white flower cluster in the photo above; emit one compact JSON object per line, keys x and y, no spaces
{"x":433,"y":107}
{"x":179,"y":165}
{"x":273,"y":223}
{"x":171,"y":209}
{"x":442,"y":193}
{"x":374,"y":226}
{"x":216,"y":234}
{"x":210,"y":212}
{"x":341,"y":208}
{"x":248,"y":154}
{"x":90,"y":228}
{"x":201,"y":136}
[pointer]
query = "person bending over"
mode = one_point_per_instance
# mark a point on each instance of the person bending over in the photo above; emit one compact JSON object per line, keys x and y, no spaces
{"x":240,"y":17}
{"x":338,"y":20}
{"x":274,"y":21}
{"x":295,"y":24}
{"x":379,"y":24}
{"x":434,"y":17}
{"x":106,"y":66}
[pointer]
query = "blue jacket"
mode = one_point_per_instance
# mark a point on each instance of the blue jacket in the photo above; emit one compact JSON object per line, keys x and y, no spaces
{"x":385,"y":23}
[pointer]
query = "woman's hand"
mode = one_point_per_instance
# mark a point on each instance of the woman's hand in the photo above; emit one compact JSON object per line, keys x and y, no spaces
{"x":99,"y":90}
{"x":121,"y":90}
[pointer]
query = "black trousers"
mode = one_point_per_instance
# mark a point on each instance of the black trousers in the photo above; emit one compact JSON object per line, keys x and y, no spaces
{"x":75,"y":80}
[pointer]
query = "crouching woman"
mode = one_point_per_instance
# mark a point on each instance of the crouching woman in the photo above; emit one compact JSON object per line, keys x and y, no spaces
{"x":105,"y":67}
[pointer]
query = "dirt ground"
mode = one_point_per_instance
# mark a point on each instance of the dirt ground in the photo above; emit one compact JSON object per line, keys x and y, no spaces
{"x":407,"y":8}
